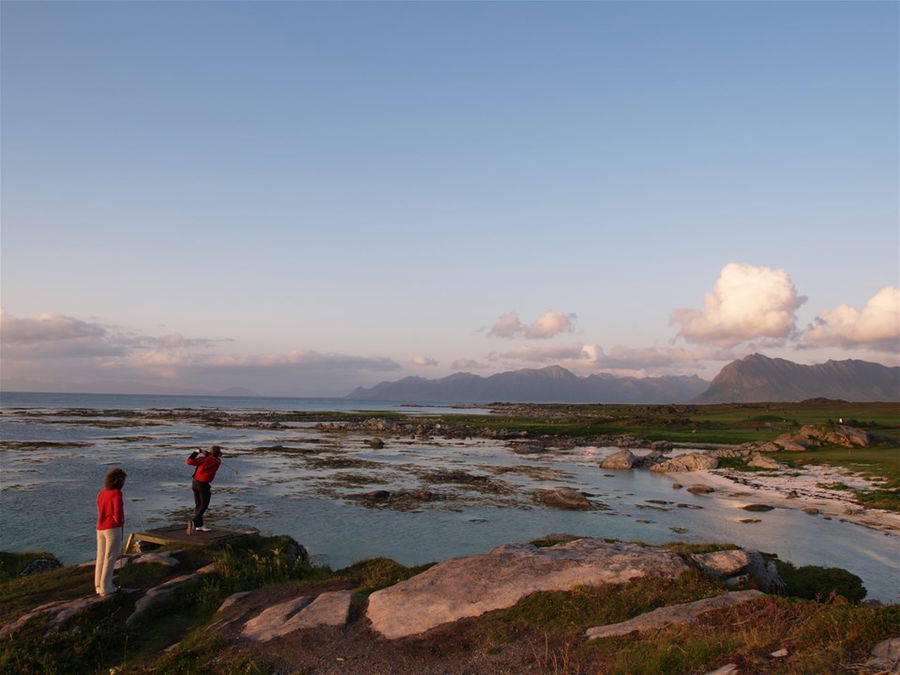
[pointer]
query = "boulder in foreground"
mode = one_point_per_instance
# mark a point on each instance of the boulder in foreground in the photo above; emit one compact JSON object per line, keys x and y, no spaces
{"x":472,"y":585}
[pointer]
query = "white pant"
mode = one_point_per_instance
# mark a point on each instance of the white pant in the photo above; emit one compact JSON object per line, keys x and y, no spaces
{"x":109,"y":543}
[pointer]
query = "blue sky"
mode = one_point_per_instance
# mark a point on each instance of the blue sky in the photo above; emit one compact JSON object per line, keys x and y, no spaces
{"x":301,"y":197}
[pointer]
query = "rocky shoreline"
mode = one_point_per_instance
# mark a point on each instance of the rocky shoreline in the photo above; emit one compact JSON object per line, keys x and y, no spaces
{"x":626,"y":604}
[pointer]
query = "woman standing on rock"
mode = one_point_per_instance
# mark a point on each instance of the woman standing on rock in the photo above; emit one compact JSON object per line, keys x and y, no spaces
{"x":207,"y":465}
{"x":110,"y":526}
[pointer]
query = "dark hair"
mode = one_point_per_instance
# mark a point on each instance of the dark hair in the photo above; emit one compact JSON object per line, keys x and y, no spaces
{"x":115,"y":479}
{"x":216,"y":451}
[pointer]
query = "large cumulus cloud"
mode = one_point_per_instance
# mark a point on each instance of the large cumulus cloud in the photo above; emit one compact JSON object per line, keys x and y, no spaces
{"x":876,"y":327}
{"x":747,"y":303}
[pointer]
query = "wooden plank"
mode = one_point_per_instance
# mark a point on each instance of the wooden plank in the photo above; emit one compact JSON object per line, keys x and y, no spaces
{"x":177,"y":534}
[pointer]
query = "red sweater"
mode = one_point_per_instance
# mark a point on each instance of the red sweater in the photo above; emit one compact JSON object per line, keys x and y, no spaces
{"x":206,"y":467}
{"x":110,"y":511}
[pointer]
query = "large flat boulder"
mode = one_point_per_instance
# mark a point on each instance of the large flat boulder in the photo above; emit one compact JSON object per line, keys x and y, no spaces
{"x":472,"y":585}
{"x":327,"y":609}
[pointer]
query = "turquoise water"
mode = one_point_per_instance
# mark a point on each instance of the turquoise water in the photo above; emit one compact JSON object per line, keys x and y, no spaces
{"x":47,"y":496}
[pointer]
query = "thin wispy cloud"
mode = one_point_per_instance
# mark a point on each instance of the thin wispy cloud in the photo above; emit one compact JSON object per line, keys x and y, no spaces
{"x":748,"y":302}
{"x":593,"y":358}
{"x":876,"y":326}
{"x":52,"y":348}
{"x":548,"y":325}
{"x":46,"y":328}
{"x":467,"y":364}
{"x":423,"y":361}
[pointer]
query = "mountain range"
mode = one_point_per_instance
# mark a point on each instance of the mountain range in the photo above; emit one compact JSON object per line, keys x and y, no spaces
{"x":755,"y":378}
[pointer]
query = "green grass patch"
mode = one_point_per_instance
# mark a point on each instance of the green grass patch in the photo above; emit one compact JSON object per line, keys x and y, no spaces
{"x":373,"y":574}
{"x":203,"y":652}
{"x":571,"y":612}
{"x":685,"y":548}
{"x":22,"y":593}
{"x":819,"y":639}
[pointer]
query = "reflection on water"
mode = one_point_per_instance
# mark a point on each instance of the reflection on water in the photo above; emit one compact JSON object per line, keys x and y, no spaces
{"x":47,"y":497}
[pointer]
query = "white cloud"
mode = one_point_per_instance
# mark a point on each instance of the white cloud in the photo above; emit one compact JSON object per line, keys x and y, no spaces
{"x":548,"y":325}
{"x":876,"y":327}
{"x":592,"y":357}
{"x":748,"y":302}
{"x":507,"y":326}
{"x":423,"y":361}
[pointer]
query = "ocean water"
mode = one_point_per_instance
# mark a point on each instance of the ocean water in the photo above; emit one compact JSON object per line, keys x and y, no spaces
{"x":308,"y":490}
{"x":18,"y":399}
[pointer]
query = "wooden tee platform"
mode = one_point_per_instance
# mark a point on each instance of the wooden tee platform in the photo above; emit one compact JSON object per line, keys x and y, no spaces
{"x":177,"y":535}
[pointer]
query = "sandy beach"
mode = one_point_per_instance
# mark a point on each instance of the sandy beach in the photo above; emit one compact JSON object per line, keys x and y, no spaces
{"x":800,"y":492}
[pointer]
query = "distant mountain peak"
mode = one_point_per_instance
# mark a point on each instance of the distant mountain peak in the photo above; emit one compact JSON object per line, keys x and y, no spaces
{"x":759,"y":378}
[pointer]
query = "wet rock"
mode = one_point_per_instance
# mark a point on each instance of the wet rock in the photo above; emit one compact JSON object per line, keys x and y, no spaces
{"x":666,"y":616}
{"x":690,"y":462}
{"x":375,"y":496}
{"x":700,"y":489}
{"x":811,"y":511}
{"x":689,"y":506}
{"x":473,"y":585}
{"x":749,"y":520}
{"x":677,"y":486}
{"x":564,"y":498}
{"x":528,"y":448}
{"x":619,"y":461}
{"x":757,"y":507}
{"x":376,"y":443}
{"x":662,"y":446}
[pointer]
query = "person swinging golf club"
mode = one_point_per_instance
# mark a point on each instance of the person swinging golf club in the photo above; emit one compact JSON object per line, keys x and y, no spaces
{"x":207,"y":462}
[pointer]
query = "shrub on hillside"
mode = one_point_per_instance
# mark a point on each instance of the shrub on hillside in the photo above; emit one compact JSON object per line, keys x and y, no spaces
{"x":819,"y":583}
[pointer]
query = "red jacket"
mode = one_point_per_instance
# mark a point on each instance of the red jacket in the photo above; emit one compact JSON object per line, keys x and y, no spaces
{"x":206,"y":467}
{"x":110,"y":511}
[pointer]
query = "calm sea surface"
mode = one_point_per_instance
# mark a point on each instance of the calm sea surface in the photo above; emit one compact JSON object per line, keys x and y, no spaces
{"x":307,"y":489}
